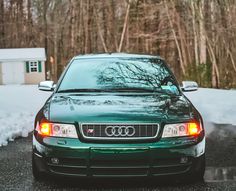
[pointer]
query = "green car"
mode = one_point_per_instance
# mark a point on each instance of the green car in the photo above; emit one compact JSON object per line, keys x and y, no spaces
{"x":118,"y":115}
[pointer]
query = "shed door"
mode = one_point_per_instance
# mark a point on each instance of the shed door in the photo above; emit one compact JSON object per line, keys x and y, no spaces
{"x":13,"y":72}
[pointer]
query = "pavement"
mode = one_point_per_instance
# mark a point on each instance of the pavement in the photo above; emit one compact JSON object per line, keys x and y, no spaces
{"x":15,"y":169}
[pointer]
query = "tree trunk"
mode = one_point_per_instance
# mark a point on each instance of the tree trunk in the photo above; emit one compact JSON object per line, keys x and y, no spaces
{"x":202,"y":34}
{"x":195,"y":33}
{"x":124,"y":27}
{"x":215,"y":71}
{"x":2,"y":25}
{"x":175,"y":38}
{"x":100,"y":32}
{"x":45,"y":6}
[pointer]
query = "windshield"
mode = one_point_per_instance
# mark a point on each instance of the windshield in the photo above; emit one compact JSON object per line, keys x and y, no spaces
{"x":118,"y":74}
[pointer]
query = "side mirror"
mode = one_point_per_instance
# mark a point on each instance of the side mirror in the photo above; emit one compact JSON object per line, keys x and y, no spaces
{"x":46,"y":86}
{"x":189,"y":86}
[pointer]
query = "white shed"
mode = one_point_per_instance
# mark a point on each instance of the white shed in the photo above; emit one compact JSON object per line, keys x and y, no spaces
{"x":22,"y":65}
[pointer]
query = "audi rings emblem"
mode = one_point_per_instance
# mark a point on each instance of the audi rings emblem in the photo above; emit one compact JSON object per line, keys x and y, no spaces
{"x":120,"y":131}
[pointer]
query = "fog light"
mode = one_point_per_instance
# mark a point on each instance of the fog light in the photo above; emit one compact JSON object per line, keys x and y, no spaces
{"x":183,"y":160}
{"x":55,"y":160}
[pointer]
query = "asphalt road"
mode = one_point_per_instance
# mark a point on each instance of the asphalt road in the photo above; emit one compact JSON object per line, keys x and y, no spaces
{"x":15,"y":169}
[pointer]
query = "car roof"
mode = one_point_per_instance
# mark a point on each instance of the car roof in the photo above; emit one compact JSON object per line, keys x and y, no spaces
{"x":114,"y":55}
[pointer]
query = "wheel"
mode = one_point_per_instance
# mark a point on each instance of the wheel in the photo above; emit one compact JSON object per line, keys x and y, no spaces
{"x":198,"y":173}
{"x":35,"y":171}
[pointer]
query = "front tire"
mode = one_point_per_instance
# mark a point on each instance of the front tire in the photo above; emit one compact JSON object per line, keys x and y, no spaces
{"x":35,"y":171}
{"x":197,"y":174}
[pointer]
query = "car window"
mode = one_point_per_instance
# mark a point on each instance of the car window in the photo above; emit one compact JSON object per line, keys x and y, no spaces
{"x":119,"y":73}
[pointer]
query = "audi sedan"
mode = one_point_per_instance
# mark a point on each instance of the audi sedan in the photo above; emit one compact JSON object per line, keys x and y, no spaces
{"x":118,"y":115}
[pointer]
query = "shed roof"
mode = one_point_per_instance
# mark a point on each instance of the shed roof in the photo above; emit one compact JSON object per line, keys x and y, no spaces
{"x":22,"y":54}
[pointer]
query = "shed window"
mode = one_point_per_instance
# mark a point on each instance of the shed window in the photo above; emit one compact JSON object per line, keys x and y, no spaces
{"x":33,"y":66}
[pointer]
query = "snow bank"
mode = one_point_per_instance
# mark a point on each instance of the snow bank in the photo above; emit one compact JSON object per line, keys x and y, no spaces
{"x":20,"y":103}
{"x":216,"y":106}
{"x":18,"y":107}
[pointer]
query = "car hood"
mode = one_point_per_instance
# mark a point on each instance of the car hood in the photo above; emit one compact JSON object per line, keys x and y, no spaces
{"x":117,"y":108}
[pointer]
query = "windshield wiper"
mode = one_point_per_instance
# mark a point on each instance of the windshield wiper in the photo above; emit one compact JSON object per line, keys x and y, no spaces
{"x":138,"y":89}
{"x":82,"y":90}
{"x":126,"y":89}
{"x":132,"y":89}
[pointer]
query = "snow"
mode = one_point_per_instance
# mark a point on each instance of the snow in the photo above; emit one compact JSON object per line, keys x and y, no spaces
{"x":11,"y":54}
{"x":216,"y":106}
{"x":20,"y":103}
{"x":18,"y":107}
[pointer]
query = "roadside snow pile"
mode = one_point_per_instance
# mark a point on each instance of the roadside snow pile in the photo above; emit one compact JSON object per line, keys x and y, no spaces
{"x":216,"y":106}
{"x":20,"y":103}
{"x":18,"y":106}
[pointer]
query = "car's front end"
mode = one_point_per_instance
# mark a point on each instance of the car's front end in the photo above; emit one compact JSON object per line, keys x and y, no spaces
{"x":66,"y":156}
{"x":118,"y":133}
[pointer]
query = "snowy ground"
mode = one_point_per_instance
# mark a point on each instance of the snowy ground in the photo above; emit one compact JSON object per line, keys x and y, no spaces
{"x":216,"y":106}
{"x":19,"y":104}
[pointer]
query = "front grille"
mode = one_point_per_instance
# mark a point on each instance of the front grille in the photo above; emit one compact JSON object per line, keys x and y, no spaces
{"x":117,"y":167}
{"x":119,"y":131}
{"x":119,"y":172}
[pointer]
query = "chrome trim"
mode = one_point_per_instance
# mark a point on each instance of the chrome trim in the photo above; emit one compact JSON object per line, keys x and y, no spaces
{"x":38,"y":155}
{"x":123,"y":124}
{"x":117,"y":130}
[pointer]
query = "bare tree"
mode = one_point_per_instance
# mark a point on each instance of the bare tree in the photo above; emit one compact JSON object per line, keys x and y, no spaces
{"x":197,"y":38}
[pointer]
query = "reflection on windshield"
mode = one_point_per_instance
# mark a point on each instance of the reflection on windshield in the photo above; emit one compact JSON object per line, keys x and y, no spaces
{"x":119,"y":74}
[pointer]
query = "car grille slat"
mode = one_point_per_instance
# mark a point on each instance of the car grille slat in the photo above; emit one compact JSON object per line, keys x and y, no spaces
{"x":119,"y":131}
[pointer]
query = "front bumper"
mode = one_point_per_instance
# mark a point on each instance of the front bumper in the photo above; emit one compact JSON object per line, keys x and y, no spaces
{"x":74,"y":158}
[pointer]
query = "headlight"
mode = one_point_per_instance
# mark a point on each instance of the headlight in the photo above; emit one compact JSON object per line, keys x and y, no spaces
{"x":181,"y":129}
{"x":57,"y":130}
